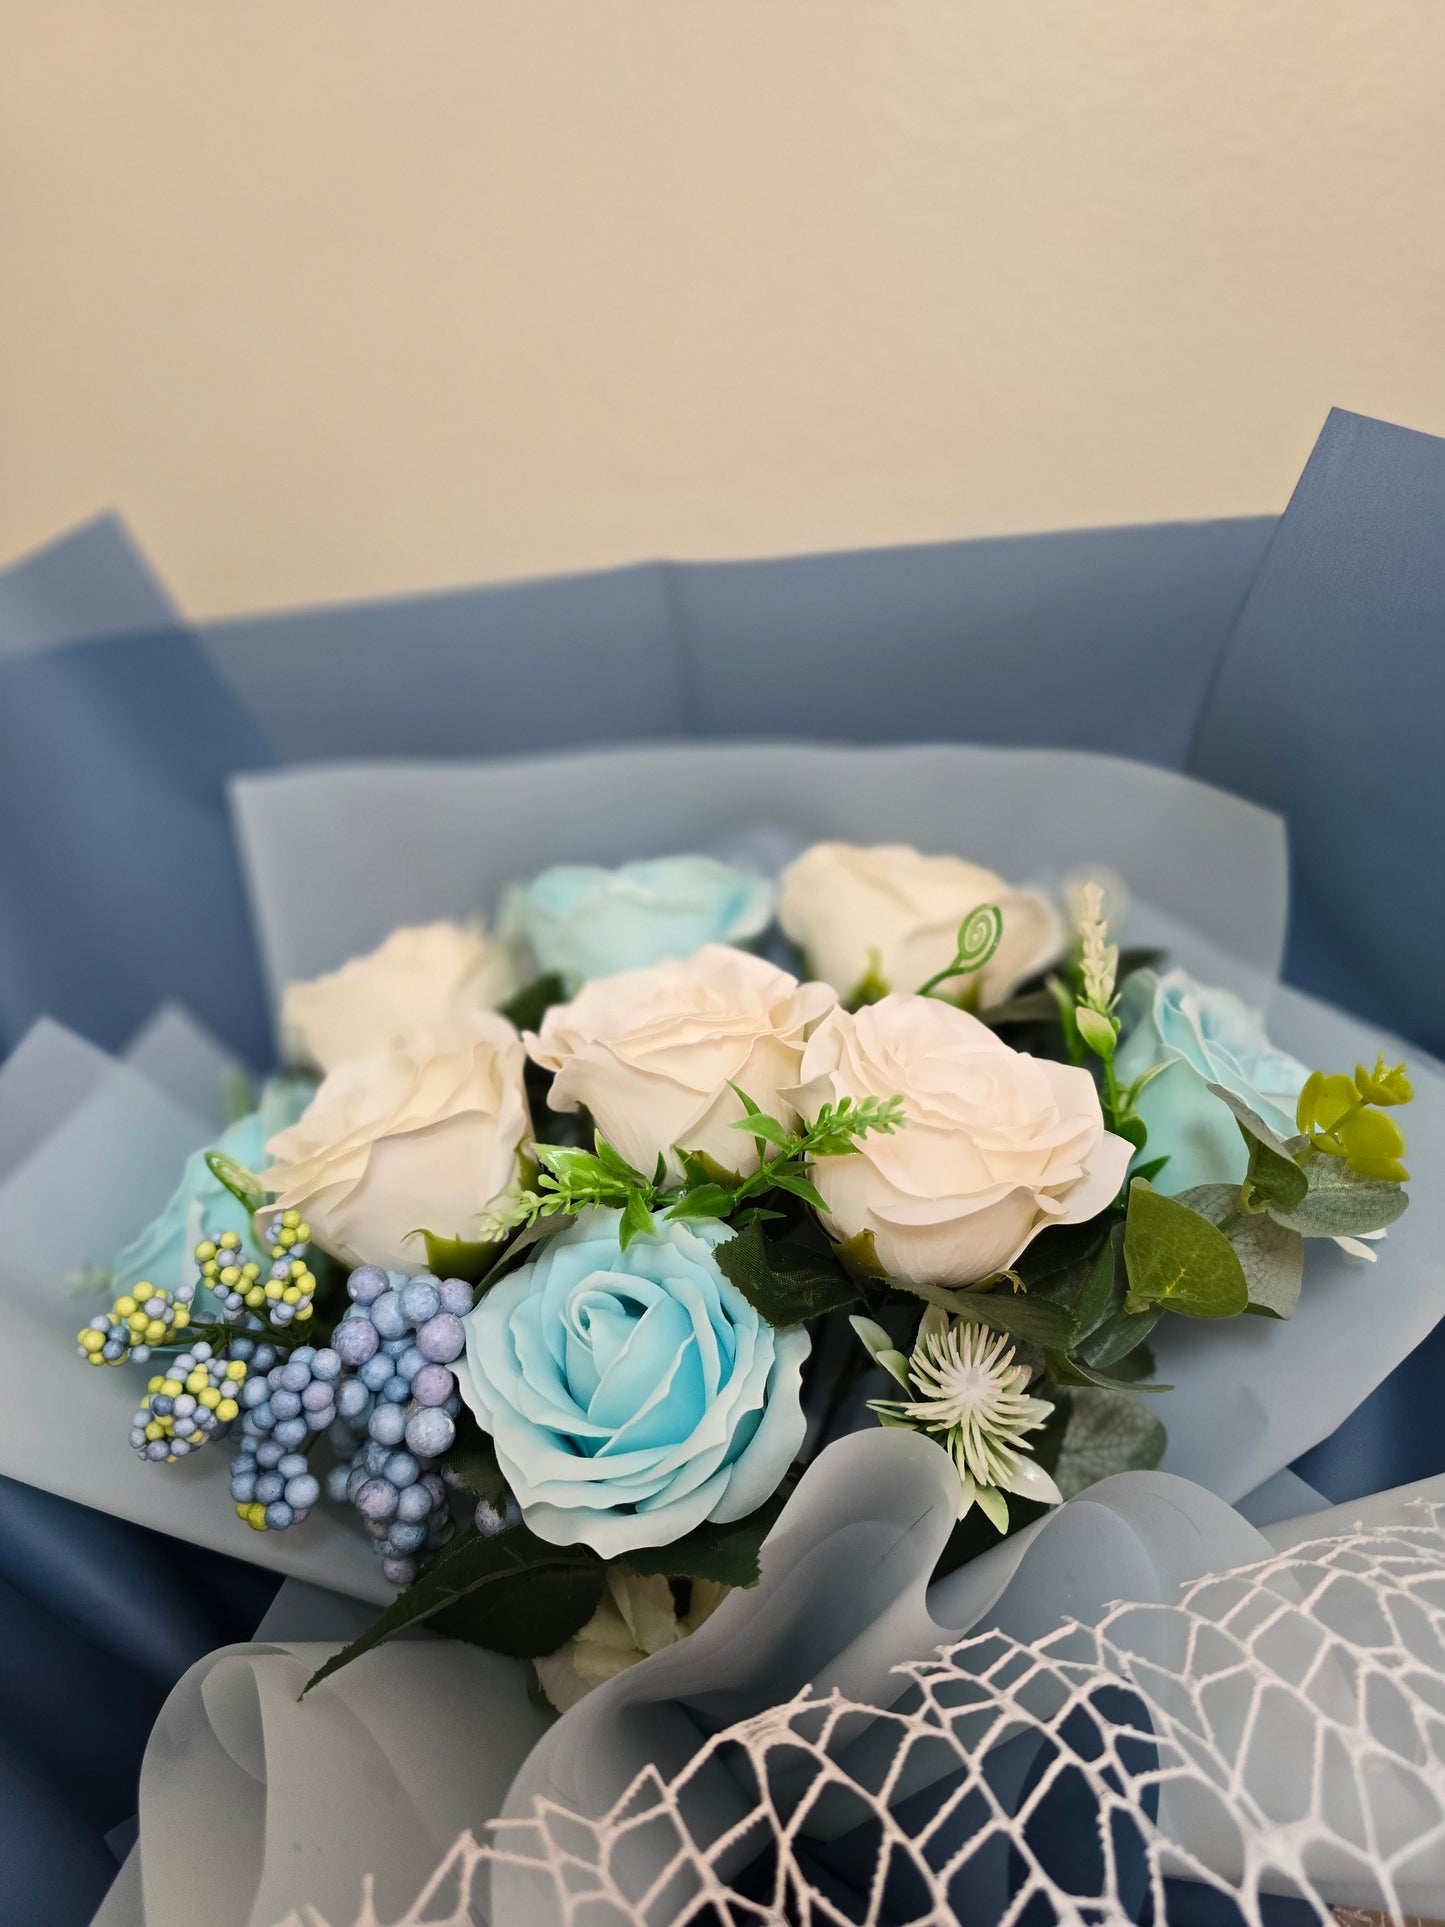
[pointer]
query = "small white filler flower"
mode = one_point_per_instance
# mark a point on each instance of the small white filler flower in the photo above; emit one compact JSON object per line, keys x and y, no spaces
{"x":969,"y":1391}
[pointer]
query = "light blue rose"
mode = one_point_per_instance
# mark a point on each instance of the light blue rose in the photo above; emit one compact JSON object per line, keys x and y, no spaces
{"x":201,"y":1204}
{"x":1202,"y":1036}
{"x":632,"y":1394}
{"x":580,"y":921}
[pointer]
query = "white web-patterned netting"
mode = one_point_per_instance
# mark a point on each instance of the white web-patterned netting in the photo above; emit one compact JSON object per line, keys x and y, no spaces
{"x":1280,"y":1731}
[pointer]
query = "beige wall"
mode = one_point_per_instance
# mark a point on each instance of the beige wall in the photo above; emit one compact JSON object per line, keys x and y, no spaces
{"x":333,"y":297}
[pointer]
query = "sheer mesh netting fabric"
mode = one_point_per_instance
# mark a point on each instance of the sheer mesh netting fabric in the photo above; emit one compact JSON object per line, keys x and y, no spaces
{"x":1279,"y":1731}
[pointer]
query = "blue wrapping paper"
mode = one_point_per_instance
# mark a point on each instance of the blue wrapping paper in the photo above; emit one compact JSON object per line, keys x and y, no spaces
{"x":1328,"y":708}
{"x":1298,"y":664}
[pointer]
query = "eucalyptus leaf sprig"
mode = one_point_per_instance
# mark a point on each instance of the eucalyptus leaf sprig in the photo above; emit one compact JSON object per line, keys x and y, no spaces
{"x":1343,"y":1118}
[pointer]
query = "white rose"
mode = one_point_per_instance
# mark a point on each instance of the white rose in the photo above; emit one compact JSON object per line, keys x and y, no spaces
{"x":997,"y":1145}
{"x":889,"y":918}
{"x":432,"y":977}
{"x":651,"y":1053}
{"x":423,"y":1135}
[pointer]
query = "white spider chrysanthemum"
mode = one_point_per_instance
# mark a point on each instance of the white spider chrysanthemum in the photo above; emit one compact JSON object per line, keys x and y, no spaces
{"x":970,"y":1392}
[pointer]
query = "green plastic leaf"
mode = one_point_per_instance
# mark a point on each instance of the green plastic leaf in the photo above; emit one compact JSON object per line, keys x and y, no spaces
{"x":859,"y":1257}
{"x":767,"y":1130}
{"x":882,"y":1348}
{"x":1107,"y":1432}
{"x":540,"y":1595}
{"x":1151,"y":1170}
{"x":244,"y":1186}
{"x":727,"y":1553}
{"x":800,"y":1187}
{"x":1097,"y":1031}
{"x":1273,"y":1176}
{"x":1341,"y":1204}
{"x":1068,"y":1371}
{"x":1103,"y":1287}
{"x":704,"y":1201}
{"x":1033,"y":1007}
{"x":1250,"y":1121}
{"x":529,"y":1617}
{"x":637,"y":1220}
{"x":1272,"y":1256}
{"x":1374,"y":1145}
{"x":1117,"y":1340}
{"x":786,"y":1284}
{"x":459,"y":1258}
{"x":1037,"y":1321}
{"x":1177,"y":1260}
{"x":617,"y":1164}
{"x":531,"y":1004}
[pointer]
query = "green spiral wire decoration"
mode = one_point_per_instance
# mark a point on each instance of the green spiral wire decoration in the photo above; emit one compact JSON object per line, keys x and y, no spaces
{"x":979,"y":936}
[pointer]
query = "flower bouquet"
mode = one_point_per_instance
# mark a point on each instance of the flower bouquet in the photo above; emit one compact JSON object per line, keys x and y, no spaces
{"x":555,"y":1255}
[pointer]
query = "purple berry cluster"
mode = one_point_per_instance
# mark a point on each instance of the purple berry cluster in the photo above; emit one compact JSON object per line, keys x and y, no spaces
{"x":397,"y":1341}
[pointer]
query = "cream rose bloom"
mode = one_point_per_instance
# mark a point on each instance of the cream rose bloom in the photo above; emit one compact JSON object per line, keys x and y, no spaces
{"x":651,"y":1053}
{"x":889,"y":915}
{"x":423,"y":1135}
{"x":997,"y":1145}
{"x":433,"y":977}
{"x":636,"y":1618}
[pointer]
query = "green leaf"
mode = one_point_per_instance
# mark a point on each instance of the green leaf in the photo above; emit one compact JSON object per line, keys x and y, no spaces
{"x":1097,"y":1032}
{"x":1177,"y":1260}
{"x":1271,"y":1255}
{"x":1151,"y":1170}
{"x":523,"y":1617}
{"x":784,"y":1283}
{"x":766,"y":1130}
{"x":753,"y":1110}
{"x":1068,"y":1371}
{"x":1033,"y":1007}
{"x":528,"y":1617}
{"x":702,"y":1169}
{"x":1340,"y":1204}
{"x":459,"y":1258}
{"x":617,"y":1164}
{"x":1103,"y":1288}
{"x":799,"y":1186}
{"x":1117,"y":1338}
{"x":1108,"y":1432}
{"x":1273,"y":1176}
{"x":1037,"y":1321}
{"x":244,"y":1186}
{"x":1250,"y":1121}
{"x":725,"y":1553}
{"x":530,"y":1005}
{"x":637,"y":1220}
{"x":704,"y":1201}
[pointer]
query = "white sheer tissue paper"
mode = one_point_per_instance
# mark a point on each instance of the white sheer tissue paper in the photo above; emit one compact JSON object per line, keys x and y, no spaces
{"x":91,"y":1148}
{"x":337,"y":856}
{"x":850,"y":1743}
